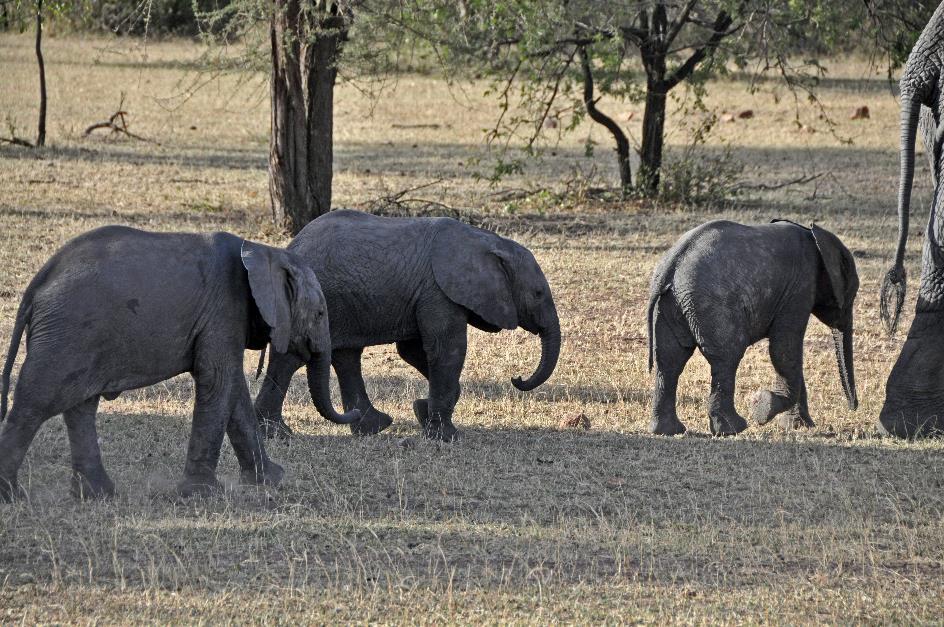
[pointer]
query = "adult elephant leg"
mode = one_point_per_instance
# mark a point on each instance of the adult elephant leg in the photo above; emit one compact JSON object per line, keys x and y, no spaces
{"x":255,"y":466}
{"x":445,"y":354}
{"x":347,"y":365}
{"x":412,"y":353}
{"x":271,"y":396}
{"x":724,"y":419}
{"x":669,"y":361}
{"x":787,"y":396}
{"x":89,"y":479}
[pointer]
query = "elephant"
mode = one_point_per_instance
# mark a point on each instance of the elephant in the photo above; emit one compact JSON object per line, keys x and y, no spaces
{"x":417,"y":282}
{"x":117,"y":308}
{"x":914,"y":392}
{"x":724,"y":286}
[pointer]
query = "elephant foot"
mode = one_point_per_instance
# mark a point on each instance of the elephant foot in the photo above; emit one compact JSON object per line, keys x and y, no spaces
{"x":274,"y":428}
{"x":421,"y":411}
{"x":270,"y":474}
{"x":765,"y":405}
{"x":91,"y":485}
{"x":372,"y":422}
{"x":199,"y":486}
{"x":444,"y":431}
{"x":727,"y":425}
{"x":666,"y":426}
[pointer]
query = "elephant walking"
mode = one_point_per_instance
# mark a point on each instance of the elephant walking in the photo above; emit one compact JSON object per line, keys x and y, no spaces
{"x":417,"y":282}
{"x":117,"y":308}
{"x":724,"y":286}
{"x":914,"y":393}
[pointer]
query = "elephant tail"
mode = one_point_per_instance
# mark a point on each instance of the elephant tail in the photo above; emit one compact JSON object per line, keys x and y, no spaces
{"x":653,"y":301}
{"x":22,"y":319}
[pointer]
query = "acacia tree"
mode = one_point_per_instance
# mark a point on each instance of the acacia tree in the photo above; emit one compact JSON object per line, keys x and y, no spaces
{"x":562,"y":55}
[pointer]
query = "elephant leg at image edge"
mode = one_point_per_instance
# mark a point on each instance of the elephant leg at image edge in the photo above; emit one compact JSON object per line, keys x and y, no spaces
{"x":89,"y":479}
{"x":271,"y":396}
{"x":669,"y":360}
{"x":412,"y":353}
{"x":347,"y":365}
{"x":787,"y":398}
{"x":723,"y":417}
{"x":19,"y":429}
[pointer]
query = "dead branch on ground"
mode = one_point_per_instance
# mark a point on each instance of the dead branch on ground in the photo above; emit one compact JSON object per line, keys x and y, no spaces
{"x":117,"y":124}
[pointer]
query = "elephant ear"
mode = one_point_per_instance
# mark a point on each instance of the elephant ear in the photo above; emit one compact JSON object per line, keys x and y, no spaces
{"x":268,"y":281}
{"x":472,"y":268}
{"x":839,"y":264}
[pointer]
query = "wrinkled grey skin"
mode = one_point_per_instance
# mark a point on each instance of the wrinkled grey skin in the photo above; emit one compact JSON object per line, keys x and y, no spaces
{"x":418,"y":282}
{"x":914,"y":393}
{"x":725,"y":286}
{"x":117,"y":308}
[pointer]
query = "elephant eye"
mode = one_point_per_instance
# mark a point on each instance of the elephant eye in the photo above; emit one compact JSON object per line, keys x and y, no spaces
{"x":539,"y":293}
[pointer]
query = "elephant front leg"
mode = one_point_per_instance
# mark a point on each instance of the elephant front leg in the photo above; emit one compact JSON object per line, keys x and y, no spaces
{"x":787,"y":396}
{"x":271,"y":396}
{"x":215,"y":402}
{"x":89,"y":479}
{"x":347,"y":365}
{"x":255,"y":466}
{"x":446,"y":357}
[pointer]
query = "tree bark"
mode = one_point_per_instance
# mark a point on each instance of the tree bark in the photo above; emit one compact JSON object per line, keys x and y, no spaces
{"x":41,"y":132}
{"x":622,"y":142}
{"x":653,"y":138}
{"x":306,"y":42}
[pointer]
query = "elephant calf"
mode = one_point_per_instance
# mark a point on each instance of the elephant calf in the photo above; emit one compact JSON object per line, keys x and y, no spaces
{"x":418,"y":282}
{"x":723,"y":287}
{"x":117,"y":308}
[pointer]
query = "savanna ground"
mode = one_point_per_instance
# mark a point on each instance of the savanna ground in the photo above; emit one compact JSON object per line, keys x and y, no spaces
{"x":522,"y":520}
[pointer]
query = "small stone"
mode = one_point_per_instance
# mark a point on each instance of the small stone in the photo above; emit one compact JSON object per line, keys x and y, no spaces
{"x":862,"y":113}
{"x":727,"y":118}
{"x":747,"y":114}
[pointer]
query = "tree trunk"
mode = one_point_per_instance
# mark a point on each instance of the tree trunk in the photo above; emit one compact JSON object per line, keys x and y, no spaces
{"x":653,"y":132}
{"x":305,"y":50}
{"x":41,"y":133}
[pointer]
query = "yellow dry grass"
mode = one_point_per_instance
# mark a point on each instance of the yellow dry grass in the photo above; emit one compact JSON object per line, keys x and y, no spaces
{"x":520,"y":522}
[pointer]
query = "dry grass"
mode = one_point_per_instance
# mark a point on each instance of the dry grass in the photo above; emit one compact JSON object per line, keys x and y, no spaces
{"x":520,"y":521}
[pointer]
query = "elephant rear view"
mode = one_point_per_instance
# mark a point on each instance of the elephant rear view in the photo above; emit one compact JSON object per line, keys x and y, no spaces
{"x":118,"y":308}
{"x":417,"y":282}
{"x":724,"y":286}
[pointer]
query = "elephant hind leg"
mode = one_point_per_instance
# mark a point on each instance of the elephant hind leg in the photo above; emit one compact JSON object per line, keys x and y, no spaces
{"x":723,"y":417}
{"x":670,"y":358}
{"x":413,"y":353}
{"x":89,"y":479}
{"x":347,"y":365}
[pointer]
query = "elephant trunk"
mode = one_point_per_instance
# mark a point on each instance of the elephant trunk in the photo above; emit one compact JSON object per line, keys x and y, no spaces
{"x":895,"y":282}
{"x":550,"y":351}
{"x":319,"y":375}
{"x":842,"y":341}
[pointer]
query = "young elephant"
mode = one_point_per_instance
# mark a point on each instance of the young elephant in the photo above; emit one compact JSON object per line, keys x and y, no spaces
{"x":418,"y":282}
{"x":723,"y":287}
{"x":117,"y":308}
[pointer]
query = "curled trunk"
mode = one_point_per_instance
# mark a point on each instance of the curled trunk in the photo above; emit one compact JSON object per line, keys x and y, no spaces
{"x":842,"y":342}
{"x":319,"y":375}
{"x":550,"y":351}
